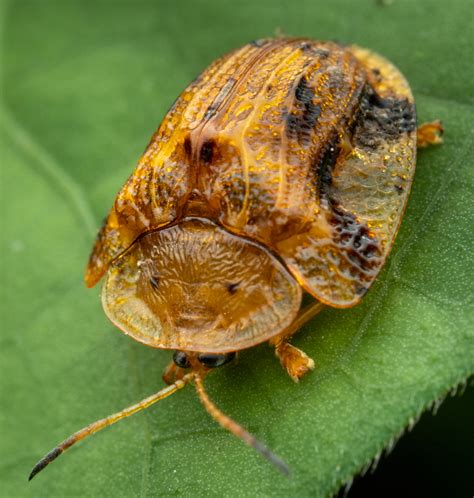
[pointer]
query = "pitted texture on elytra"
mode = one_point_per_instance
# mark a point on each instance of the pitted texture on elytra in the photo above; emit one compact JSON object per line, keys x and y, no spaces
{"x":306,"y":147}
{"x":195,"y":287}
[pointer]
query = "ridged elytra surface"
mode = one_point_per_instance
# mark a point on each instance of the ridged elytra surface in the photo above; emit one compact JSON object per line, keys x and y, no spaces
{"x":306,"y":147}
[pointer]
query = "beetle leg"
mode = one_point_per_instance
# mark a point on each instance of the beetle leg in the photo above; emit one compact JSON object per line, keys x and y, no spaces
{"x":172,"y":373}
{"x":296,"y":362}
{"x":429,"y":134}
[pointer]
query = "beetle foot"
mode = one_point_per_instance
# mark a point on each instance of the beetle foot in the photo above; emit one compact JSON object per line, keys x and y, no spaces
{"x":296,"y":362}
{"x":172,"y":373}
{"x":429,"y":134}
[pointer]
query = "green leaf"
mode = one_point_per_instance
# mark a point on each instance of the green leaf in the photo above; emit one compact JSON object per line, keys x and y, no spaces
{"x":84,"y":85}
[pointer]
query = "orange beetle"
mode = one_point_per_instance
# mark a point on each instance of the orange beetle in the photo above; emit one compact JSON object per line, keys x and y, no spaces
{"x":285,"y":166}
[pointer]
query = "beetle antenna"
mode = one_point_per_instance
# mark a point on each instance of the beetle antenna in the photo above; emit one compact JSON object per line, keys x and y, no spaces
{"x":227,"y":423}
{"x":101,"y":424}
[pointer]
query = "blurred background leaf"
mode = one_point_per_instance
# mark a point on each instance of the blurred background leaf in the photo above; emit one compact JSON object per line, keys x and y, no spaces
{"x":84,"y":85}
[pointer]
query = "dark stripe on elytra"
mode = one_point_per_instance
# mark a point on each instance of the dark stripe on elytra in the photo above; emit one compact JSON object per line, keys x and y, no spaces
{"x":207,"y":151}
{"x":188,"y":147}
{"x":380,"y":119}
{"x":303,"y":117}
{"x":324,"y":164}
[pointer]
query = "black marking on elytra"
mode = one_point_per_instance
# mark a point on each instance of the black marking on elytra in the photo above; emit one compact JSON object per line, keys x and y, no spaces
{"x":398,"y":188}
{"x":155,"y":281}
{"x":324,"y":166}
{"x":232,"y":288}
{"x":211,"y":110}
{"x":302,"y":119}
{"x":220,"y":98}
{"x":377,"y":73}
{"x":380,"y":119}
{"x":319,"y":52}
{"x":360,"y":290}
{"x":303,"y":93}
{"x":188,"y":146}
{"x":354,"y":239}
{"x":207,"y":151}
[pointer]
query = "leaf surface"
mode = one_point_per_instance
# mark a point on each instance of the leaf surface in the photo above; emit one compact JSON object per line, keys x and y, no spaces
{"x":84,"y":85}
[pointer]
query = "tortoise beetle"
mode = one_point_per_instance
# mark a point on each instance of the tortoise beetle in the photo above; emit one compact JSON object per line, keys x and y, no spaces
{"x":284,"y":167}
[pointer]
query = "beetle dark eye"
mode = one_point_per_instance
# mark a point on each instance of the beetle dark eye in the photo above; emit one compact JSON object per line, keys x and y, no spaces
{"x":181,"y":359}
{"x":213,"y":360}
